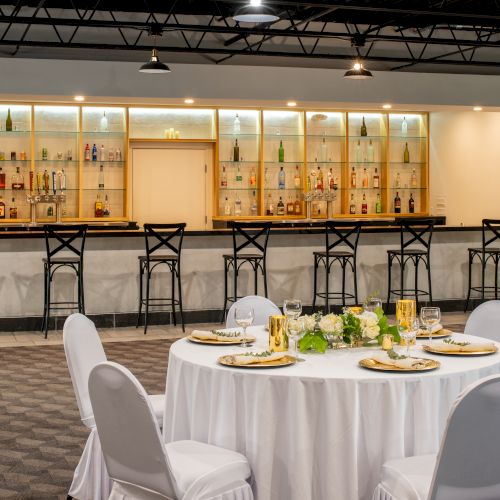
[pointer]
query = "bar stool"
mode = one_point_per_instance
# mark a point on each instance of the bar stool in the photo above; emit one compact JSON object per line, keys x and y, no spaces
{"x":412,"y":232}
{"x":484,"y":254}
{"x":341,"y":247}
{"x":242,"y":240}
{"x":58,"y":239}
{"x":147,"y":263}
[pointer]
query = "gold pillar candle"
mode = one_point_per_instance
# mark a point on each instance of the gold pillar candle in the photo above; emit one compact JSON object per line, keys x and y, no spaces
{"x":278,"y":338}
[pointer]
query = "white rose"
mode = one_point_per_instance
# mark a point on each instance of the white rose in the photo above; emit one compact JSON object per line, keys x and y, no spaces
{"x":309,"y":322}
{"x":371,"y":332}
{"x":331,"y":323}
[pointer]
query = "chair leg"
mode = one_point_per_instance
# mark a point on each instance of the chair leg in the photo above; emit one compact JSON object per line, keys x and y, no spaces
{"x":264,"y":274}
{"x":315,"y":285}
{"x":469,"y":282}
{"x":180,"y":299}
{"x":146,"y":305}
{"x":429,"y":279}
{"x":355,"y":273}
{"x":255,"y":278}
{"x":389,"y":272}
{"x":327,"y":286}
{"x":344,"y":263}
{"x":82,"y":292}
{"x":47,"y":316}
{"x":483,"y":271}
{"x":402,"y":279}
{"x":496,"y":277}
{"x":141,"y":276}
{"x":172,"y":272}
{"x":44,"y":320}
{"x":416,"y":282}
{"x":225,"y":292}
{"x":235,"y":282}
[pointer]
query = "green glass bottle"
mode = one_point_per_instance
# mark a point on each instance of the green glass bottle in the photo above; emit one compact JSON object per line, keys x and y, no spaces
{"x":364,"y":131}
{"x":378,"y":205}
{"x":281,"y":153}
{"x":8,"y":122}
{"x":236,"y":151}
{"x":406,"y":154}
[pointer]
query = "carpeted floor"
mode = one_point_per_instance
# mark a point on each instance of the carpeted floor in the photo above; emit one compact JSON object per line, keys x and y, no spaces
{"x":41,"y":436}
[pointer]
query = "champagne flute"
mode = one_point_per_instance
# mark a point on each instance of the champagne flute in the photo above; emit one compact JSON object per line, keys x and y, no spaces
{"x":430,"y":316}
{"x":293,"y":309}
{"x":244,"y":317}
{"x":408,"y":328}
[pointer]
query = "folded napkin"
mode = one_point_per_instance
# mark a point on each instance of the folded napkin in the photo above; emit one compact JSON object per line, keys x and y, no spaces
{"x":467,"y":347}
{"x":219,"y":337}
{"x":251,"y":359}
{"x":404,"y":363}
{"x":434,"y":329}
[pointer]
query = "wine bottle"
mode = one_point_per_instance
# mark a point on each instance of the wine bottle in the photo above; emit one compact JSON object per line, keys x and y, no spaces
{"x":100,"y":180}
{"x":2,"y":208}
{"x":298,"y":208}
{"x":237,"y":206}
{"x":223,"y":178}
{"x":331,"y":182}
{"x":8,"y":122}
{"x":404,"y":127}
{"x":371,"y":152}
{"x":352,"y":206}
{"x":281,"y":179}
{"x":397,"y":203}
{"x":397,"y":182}
{"x":376,"y":179}
{"x":270,"y":206}
{"x":363,"y":131}
{"x":236,"y":151}
{"x":236,"y":125}
{"x":353,"y":178}
{"x":364,"y":205}
{"x":411,"y":204}
{"x":280,"y":207}
{"x":62,"y":180}
{"x":2,"y":178}
{"x":254,"y":207}
{"x":17,"y":180}
{"x":227,"y":207}
{"x":365,"y":178}
{"x":13,"y":210}
{"x":413,"y":182}
{"x":290,"y":207}
{"x":319,"y":180}
{"x":106,"y":211}
{"x":406,"y":154}
{"x":118,"y":155}
{"x":281,"y":152}
{"x":94,"y":153}
{"x":312,"y":180}
{"x":378,"y":205}
{"x":296,"y":179}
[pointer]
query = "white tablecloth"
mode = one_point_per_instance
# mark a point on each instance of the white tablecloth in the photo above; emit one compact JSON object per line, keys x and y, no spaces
{"x":317,"y":430}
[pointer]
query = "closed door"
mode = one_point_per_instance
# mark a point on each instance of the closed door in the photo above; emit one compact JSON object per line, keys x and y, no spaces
{"x":170,"y":185}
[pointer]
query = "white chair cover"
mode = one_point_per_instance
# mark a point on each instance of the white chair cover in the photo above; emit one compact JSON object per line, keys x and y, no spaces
{"x":468,"y":463}
{"x":262,"y":307}
{"x":484,"y":321}
{"x":141,"y":466}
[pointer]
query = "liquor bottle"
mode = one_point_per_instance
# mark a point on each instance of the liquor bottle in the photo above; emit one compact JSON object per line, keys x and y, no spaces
{"x":100,"y":180}
{"x":254,"y":207}
{"x":111,"y":155}
{"x":253,"y":178}
{"x":364,"y":205}
{"x":2,"y":178}
{"x":270,"y":206}
{"x":404,"y":127}
{"x":411,"y":204}
{"x":13,"y":210}
{"x":312,"y":180}
{"x":236,"y":125}
{"x":320,"y":185}
{"x":104,"y":122}
{"x":223,"y":178}
{"x":227,"y":207}
{"x":46,"y":181}
{"x":87,"y":152}
{"x":365,"y":178}
{"x":358,"y":152}
{"x":239,"y":177}
{"x":296,"y":179}
{"x":236,"y":151}
{"x":17,"y":180}
{"x":281,"y":153}
{"x":331,"y":182}
{"x":397,"y":182}
{"x":281,"y":179}
{"x":54,"y":186}
{"x":413,"y":182}
{"x":31,"y":180}
{"x":69,"y":155}
{"x":376,"y":179}
{"x":45,"y":154}
{"x":102,"y":154}
{"x":94,"y":153}
{"x":98,"y":207}
{"x":378,"y":205}
{"x":62,"y":180}
{"x":406,"y":154}
{"x":352,"y":205}
{"x":118,"y":155}
{"x":280,"y":207}
{"x":106,"y":212}
{"x":290,"y":207}
{"x":371,"y":153}
{"x":397,"y":203}
{"x":298,"y":208}
{"x":335,"y":183}
{"x":323,"y":151}
{"x":237,"y":206}
{"x":363,"y":131}
{"x":8,"y":122}
{"x":2,"y":208}
{"x":353,"y":177}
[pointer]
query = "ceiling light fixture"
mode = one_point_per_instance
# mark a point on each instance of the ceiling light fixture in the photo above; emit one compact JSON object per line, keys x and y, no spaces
{"x":154,"y":65}
{"x":477,"y":108}
{"x":291,"y":104}
{"x":188,"y":101}
{"x":79,"y":98}
{"x":387,"y":106}
{"x":357,"y":72}
{"x":255,"y":12}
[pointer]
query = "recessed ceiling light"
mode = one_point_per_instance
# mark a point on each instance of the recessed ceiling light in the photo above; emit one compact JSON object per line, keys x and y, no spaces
{"x":387,"y":106}
{"x":79,"y":98}
{"x":291,"y":104}
{"x":189,"y":101}
{"x":477,"y":108}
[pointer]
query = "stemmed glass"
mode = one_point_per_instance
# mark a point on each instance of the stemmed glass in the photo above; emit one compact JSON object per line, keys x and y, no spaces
{"x":430,"y":316}
{"x":244,"y":317}
{"x":408,"y":328}
{"x":293,"y":309}
{"x":372,"y":304}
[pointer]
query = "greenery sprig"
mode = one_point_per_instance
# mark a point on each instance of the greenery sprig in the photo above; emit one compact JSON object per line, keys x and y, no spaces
{"x":394,"y":355}
{"x":454,"y":342}
{"x":226,"y":334}
{"x":263,"y":354}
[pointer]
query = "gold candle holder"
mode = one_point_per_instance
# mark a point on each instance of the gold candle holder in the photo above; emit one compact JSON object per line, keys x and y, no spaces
{"x":278,"y":338}
{"x":406,"y":312}
{"x":355,"y":309}
{"x":387,"y":340}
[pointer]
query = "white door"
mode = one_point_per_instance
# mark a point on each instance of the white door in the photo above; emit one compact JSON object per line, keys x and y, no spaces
{"x":170,"y":184}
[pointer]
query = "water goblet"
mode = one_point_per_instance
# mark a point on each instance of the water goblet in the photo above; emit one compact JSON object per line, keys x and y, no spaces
{"x":430,"y":316}
{"x":244,"y":317}
{"x":408,"y":329}
{"x":293,"y":309}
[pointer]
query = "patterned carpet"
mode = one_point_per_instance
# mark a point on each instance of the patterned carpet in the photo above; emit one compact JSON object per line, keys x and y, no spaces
{"x":41,"y":436}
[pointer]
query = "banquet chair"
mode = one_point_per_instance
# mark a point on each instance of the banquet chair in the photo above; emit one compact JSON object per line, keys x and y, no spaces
{"x":83,"y":350}
{"x":484,"y":321}
{"x":138,"y":461}
{"x":262,"y":308}
{"x":467,"y":466}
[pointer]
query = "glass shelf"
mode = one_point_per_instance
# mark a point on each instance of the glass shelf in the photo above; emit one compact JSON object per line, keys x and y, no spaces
{"x":239,"y":135}
{"x":326,"y":162}
{"x":239,"y":189}
{"x":280,"y":189}
{"x":103,"y":190}
{"x":55,"y":161}
{"x":14,"y":161}
{"x":56,"y":132}
{"x":361,"y":189}
{"x":277,"y":136}
{"x":367,"y":137}
{"x":89,"y":163}
{"x":402,"y":137}
{"x":15,"y":133}
{"x":366,"y":162}
{"x":284,"y":162}
{"x":319,"y":136}
{"x":407,"y":189}
{"x":104,"y":134}
{"x":237,"y":162}
{"x":407,"y":163}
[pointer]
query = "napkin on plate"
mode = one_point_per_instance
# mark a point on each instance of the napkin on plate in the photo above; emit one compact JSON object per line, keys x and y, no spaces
{"x":204,"y":335}
{"x":434,"y":329}
{"x":404,"y":363}
{"x":468,"y":347}
{"x":249,"y":359}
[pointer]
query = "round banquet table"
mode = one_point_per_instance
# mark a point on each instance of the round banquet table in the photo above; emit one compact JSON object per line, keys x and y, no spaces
{"x":317,"y":430}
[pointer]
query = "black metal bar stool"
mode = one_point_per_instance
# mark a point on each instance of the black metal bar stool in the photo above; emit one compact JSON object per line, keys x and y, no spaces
{"x":415,"y":247}
{"x":170,"y":238}
{"x":58,"y":239}
{"x":341,"y":247}
{"x":490,"y":234}
{"x":243,"y":239}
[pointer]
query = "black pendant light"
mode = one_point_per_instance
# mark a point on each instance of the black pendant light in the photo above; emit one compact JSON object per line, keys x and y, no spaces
{"x":358,"y":72}
{"x":154,"y":65}
{"x":255,"y":12}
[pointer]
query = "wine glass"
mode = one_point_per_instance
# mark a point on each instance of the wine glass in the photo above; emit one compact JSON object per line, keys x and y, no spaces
{"x":293,"y":309}
{"x":430,"y":316}
{"x":372,"y":304}
{"x":408,"y":328}
{"x":244,"y":317}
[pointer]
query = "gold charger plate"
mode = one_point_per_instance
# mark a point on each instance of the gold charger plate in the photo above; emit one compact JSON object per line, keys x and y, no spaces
{"x":285,"y":361}
{"x":371,"y":364}
{"x":248,"y":340}
{"x":429,"y":348}
{"x":440,"y":334}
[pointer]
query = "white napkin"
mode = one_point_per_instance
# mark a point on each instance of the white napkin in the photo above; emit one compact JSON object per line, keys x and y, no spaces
{"x":434,"y":329}
{"x":405,"y":363}
{"x":203,"y":335}
{"x":472,"y":347}
{"x":248,"y":359}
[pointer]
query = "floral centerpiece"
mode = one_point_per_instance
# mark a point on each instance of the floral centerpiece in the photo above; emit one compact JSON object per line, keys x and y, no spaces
{"x":353,"y":329}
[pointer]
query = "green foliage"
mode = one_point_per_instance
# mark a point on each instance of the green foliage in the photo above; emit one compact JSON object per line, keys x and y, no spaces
{"x":352,"y":327}
{"x":313,"y":341}
{"x":384,"y":326}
